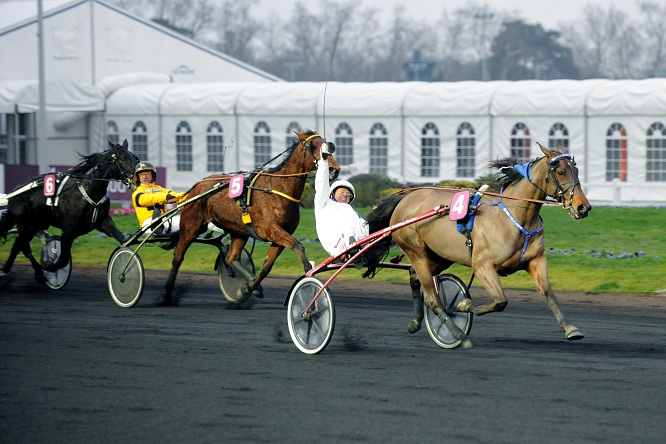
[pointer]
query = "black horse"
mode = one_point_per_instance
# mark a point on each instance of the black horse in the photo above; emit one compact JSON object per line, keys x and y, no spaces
{"x":80,"y":204}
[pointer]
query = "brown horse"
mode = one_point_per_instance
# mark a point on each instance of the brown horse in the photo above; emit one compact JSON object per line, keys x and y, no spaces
{"x":506,"y":235}
{"x":269,"y":212}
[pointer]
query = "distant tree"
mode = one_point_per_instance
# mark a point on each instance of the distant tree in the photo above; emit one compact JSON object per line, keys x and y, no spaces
{"x":653,"y":38}
{"x":604,"y":43}
{"x":522,"y":51}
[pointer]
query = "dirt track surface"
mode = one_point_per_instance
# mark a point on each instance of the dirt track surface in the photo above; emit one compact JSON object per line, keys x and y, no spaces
{"x":76,"y":368}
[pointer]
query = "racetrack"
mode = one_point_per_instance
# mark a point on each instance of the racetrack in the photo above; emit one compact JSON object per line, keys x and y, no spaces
{"x":76,"y":368}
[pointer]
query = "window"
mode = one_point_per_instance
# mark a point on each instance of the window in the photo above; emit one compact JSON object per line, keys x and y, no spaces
{"x":465,"y":151}
{"x":292,"y":138}
{"x":215,"y":147}
{"x":430,"y":150}
{"x":378,"y":149}
{"x":655,"y":169}
{"x":520,"y":142}
{"x":262,"y":144}
{"x":112,"y":132}
{"x":140,"y":140}
{"x":616,"y":153}
{"x":344,"y":144}
{"x":183,"y":147}
{"x":558,"y":134}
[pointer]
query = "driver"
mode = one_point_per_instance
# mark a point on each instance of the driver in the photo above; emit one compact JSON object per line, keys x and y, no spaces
{"x":338,"y":224}
{"x":150,"y":199}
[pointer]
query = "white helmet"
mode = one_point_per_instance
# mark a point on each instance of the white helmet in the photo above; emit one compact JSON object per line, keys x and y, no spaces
{"x":344,"y":184}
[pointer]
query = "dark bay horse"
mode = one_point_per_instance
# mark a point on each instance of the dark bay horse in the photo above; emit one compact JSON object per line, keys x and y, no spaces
{"x":506,"y":236}
{"x":270,"y":213}
{"x":80,"y":205}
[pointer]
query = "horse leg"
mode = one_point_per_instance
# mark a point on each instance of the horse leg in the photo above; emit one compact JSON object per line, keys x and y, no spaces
{"x":425,"y":274}
{"x":185,"y":240}
{"x":271,"y":256}
{"x":538,"y":269}
{"x":22,"y":244}
{"x":66,"y":242}
{"x":417,"y":297}
{"x":108,"y":227}
{"x":491,"y":282}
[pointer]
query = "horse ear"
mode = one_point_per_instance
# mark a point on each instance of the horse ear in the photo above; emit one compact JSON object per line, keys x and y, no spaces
{"x":545,"y":150}
{"x":561,"y":149}
{"x":125,"y":145}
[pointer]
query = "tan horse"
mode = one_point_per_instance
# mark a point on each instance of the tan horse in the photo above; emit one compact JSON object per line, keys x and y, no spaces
{"x":506,"y":235}
{"x":269,"y":212}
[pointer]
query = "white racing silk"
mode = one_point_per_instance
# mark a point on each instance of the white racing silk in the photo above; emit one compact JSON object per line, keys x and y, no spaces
{"x":336,"y":221}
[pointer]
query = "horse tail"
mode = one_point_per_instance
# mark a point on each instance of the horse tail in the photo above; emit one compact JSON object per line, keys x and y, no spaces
{"x":378,"y":219}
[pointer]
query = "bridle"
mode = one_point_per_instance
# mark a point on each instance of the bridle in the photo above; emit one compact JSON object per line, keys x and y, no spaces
{"x":563,"y":187}
{"x":308,"y":145}
{"x":127,"y":174}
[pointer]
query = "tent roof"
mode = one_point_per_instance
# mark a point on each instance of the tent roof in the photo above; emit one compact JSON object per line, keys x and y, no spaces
{"x":23,"y":96}
{"x":543,"y":97}
{"x":358,"y":99}
{"x":292,"y":99}
{"x":450,"y":98}
{"x":642,"y":97}
{"x":137,"y":99}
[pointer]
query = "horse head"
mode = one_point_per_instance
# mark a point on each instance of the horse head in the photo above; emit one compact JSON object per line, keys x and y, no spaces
{"x":564,"y":174}
{"x":312,"y":144}
{"x":124,"y":160}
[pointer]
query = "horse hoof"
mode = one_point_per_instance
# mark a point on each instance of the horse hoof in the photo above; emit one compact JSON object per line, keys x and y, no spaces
{"x":414,"y":326}
{"x":465,"y":305}
{"x":572,"y":333}
{"x":40,"y":278}
{"x":2,"y":273}
{"x":258,"y":293}
{"x":468,"y":343}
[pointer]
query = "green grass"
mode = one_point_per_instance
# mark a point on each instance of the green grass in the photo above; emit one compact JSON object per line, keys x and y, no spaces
{"x":607,"y":230}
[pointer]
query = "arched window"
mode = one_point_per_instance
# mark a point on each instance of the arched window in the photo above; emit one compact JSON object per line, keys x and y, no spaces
{"x":520,"y":142}
{"x":183,"y":147}
{"x":465,"y":151}
{"x":558,"y":134}
{"x":215,"y":147}
{"x":655,"y":169}
{"x":430,"y":150}
{"x":291,"y":137}
{"x":262,"y":144}
{"x":378,"y":149}
{"x":140,"y":140}
{"x":112,"y":132}
{"x":616,"y":152}
{"x":344,"y":144}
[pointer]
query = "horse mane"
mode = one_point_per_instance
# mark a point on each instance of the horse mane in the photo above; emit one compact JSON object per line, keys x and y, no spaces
{"x":86,"y":163}
{"x":507,"y":175}
{"x":284,"y":158}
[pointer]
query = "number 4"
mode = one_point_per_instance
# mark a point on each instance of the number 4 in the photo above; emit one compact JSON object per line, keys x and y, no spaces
{"x":459,"y":205}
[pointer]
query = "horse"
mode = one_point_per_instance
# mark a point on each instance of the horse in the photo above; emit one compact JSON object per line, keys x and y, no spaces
{"x":80,"y":205}
{"x":269,"y":211}
{"x":506,"y":235}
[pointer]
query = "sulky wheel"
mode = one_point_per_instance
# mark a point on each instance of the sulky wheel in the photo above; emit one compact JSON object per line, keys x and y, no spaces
{"x":451,"y":291}
{"x":311,"y":332}
{"x":51,"y":249}
{"x":231,"y":282}
{"x":125,"y":277}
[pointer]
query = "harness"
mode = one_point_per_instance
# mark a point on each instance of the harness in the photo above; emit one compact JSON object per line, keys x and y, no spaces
{"x":528,"y":234}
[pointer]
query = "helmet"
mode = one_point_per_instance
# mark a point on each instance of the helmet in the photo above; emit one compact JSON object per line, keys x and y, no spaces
{"x":343,"y":184}
{"x":145,"y":166}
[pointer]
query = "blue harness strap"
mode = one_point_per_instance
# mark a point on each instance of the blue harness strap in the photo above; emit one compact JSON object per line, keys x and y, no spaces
{"x":469,"y":220}
{"x":528,"y":234}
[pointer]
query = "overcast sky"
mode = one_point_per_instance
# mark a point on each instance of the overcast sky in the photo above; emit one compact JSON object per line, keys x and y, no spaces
{"x":547,"y":12}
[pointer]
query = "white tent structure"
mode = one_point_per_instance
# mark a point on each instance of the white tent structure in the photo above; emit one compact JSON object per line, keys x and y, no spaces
{"x":412,"y":132}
